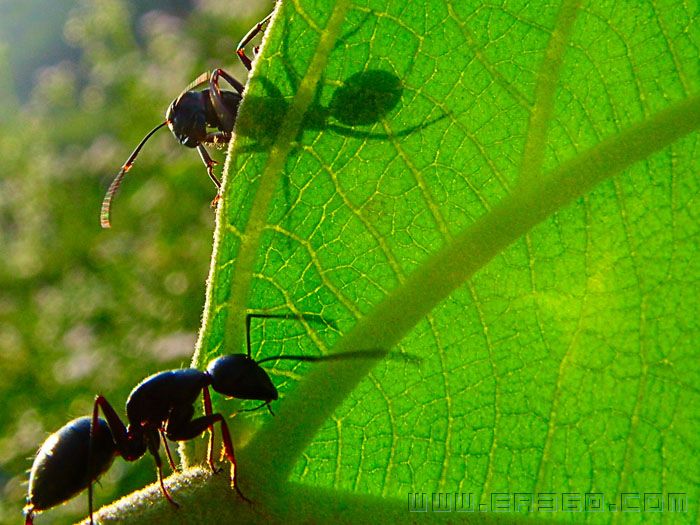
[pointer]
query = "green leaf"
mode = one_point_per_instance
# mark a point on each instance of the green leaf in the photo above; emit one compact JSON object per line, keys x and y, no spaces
{"x":508,"y":192}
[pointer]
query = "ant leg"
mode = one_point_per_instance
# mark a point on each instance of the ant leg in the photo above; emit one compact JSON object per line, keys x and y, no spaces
{"x":167,"y":451}
{"x":153,"y":442}
{"x":217,"y":138}
{"x":228,"y":450}
{"x":179,"y":431}
{"x":208,"y":411}
{"x":210,"y":163}
{"x":240,"y":50}
{"x":119,"y":433}
{"x":214,"y":81}
{"x":226,"y":113}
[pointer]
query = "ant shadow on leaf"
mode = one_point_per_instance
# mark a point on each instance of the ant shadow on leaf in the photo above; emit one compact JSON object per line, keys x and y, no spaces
{"x":362,"y":99}
{"x":353,"y":109}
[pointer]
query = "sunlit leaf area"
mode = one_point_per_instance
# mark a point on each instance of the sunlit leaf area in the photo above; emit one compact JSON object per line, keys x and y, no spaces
{"x":504,"y":197}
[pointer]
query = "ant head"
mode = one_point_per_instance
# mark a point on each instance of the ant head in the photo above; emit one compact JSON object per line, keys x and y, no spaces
{"x":237,"y":375}
{"x":186,"y":118}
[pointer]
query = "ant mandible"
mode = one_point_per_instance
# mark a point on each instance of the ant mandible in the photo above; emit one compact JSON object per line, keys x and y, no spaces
{"x":189,"y":116}
{"x":160,"y":407}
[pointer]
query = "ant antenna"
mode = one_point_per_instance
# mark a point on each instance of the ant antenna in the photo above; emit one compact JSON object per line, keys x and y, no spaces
{"x":312,"y":318}
{"x":369,"y":353}
{"x":254,"y":409}
{"x":352,"y":354}
{"x":109,"y":196}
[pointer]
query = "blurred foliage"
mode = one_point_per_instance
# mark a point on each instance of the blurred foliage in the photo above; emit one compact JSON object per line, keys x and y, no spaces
{"x":83,"y":310}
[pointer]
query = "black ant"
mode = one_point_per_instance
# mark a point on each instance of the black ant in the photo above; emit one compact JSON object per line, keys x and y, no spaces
{"x":160,"y":407}
{"x":189,"y":116}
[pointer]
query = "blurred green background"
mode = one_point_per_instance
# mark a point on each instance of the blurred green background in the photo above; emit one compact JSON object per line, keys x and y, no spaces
{"x":82,"y":310}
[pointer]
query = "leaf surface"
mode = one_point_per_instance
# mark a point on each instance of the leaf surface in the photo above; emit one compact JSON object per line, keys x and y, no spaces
{"x":507,"y":192}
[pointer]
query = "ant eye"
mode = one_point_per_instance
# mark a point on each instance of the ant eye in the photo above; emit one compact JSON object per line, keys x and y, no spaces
{"x":190,"y":129}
